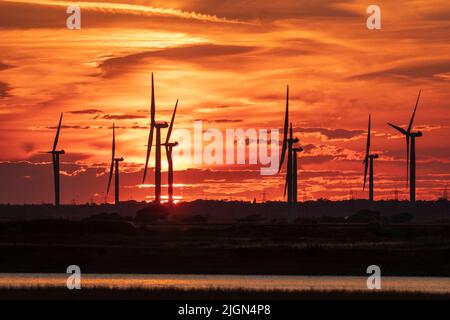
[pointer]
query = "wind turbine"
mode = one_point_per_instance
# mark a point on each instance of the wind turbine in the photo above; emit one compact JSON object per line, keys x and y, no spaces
{"x":410,"y":152}
{"x":368,"y":164}
{"x":114,"y":168}
{"x":158,"y":126}
{"x":169,"y":145}
{"x":55,"y":161}
{"x":288,"y":142}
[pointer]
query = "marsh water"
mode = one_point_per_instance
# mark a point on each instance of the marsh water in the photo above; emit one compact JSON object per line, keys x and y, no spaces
{"x":250,"y":282}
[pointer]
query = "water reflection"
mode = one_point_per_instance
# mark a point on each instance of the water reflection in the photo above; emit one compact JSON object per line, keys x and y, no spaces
{"x":270,"y":282}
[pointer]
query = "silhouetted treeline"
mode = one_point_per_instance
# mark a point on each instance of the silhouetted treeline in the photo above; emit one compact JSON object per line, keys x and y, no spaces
{"x":202,"y":211}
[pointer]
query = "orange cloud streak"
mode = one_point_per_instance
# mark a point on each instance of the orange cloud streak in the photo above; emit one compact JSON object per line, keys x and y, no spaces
{"x":130,"y":9}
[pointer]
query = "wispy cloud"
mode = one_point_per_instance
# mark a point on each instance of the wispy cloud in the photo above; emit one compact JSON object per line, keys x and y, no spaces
{"x":4,"y":90}
{"x":122,"y":116}
{"x":4,"y":66}
{"x":332,"y":134}
{"x":86,"y":111}
{"x":131,"y":9}
{"x":432,"y":70}
{"x":198,"y":53}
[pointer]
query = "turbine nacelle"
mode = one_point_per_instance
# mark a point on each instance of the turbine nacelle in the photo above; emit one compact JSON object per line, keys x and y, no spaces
{"x":161,"y":125}
{"x":170,"y":144}
{"x":54,"y":152}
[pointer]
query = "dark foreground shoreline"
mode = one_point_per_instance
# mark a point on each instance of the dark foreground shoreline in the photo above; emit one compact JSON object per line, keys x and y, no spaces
{"x":313,"y":261}
{"x":319,"y":249}
{"x":212,"y":294}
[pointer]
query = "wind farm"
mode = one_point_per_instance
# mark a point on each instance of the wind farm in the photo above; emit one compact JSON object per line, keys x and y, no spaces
{"x":289,"y":153}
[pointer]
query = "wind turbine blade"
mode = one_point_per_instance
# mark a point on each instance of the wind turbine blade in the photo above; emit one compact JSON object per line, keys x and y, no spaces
{"x":366,"y":165}
{"x":414,"y":113}
{"x":114,"y":142}
{"x":406,"y":133}
{"x":169,"y":131}
{"x":368,"y":140}
{"x":110,"y":176}
{"x":55,"y":143}
{"x":152,"y":127}
{"x":403,"y":131}
{"x":366,"y":159}
{"x":285,"y":130}
{"x":168,"y":154}
{"x":153,"y":105}
{"x":113,"y":151}
{"x":149,"y":149}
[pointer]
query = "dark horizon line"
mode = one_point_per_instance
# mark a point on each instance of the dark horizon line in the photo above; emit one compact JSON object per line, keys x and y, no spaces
{"x":218,"y":200}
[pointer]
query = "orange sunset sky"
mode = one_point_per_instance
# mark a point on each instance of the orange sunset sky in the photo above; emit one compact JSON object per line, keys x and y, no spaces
{"x":228,"y":62}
